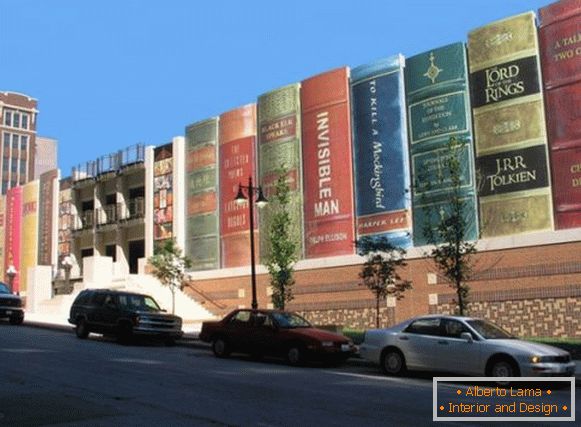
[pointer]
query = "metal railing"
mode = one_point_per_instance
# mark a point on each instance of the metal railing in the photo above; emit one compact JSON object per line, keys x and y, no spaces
{"x":107,"y":214}
{"x":112,"y":162}
{"x":132,"y":209}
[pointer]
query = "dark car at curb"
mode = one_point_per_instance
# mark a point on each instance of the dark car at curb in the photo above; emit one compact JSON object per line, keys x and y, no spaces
{"x":275,"y":333}
{"x":124,"y":315}
{"x":10,"y":306}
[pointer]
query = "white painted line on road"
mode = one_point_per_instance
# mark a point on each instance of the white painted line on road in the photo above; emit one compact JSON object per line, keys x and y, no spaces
{"x":26,"y":350}
{"x":140,"y":361}
{"x":405,"y":381}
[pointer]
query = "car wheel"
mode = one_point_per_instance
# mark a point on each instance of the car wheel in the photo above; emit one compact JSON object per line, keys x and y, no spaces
{"x":504,"y":368}
{"x":295,"y":355}
{"x":81,"y":329}
{"x":16,"y":320}
{"x":220,"y":347}
{"x":393,"y":362}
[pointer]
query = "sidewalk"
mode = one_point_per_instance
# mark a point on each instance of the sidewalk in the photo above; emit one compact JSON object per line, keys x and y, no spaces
{"x":190,"y":337}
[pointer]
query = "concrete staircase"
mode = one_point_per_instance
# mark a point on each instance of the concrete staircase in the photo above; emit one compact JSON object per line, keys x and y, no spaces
{"x":192,"y":312}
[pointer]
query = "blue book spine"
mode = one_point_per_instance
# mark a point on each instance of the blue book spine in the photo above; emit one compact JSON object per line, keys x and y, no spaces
{"x":380,"y":151}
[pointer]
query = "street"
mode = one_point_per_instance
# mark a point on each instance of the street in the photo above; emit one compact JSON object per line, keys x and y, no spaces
{"x":50,"y":377}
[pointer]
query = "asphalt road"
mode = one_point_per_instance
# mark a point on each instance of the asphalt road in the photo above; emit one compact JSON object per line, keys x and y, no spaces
{"x":50,"y":377}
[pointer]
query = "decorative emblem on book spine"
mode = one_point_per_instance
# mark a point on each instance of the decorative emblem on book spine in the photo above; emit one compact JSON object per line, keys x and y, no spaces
{"x":498,"y":39}
{"x":433,"y":71}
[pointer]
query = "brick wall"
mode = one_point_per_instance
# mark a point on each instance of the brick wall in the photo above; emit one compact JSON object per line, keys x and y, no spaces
{"x":533,"y":291}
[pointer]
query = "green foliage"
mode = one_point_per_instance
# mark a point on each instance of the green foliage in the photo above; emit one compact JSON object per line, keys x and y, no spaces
{"x":169,"y":266}
{"x":284,"y":244}
{"x":380,"y":270}
{"x":452,"y":252}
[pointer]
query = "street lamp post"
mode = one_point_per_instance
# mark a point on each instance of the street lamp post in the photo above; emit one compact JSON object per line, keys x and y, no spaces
{"x":11,"y":272}
{"x":260,"y":202}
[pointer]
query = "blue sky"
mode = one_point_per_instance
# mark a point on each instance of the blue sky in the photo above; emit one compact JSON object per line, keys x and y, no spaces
{"x":111,"y":73}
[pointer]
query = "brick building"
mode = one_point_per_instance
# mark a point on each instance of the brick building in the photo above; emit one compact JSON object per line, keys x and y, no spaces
{"x":18,"y":129}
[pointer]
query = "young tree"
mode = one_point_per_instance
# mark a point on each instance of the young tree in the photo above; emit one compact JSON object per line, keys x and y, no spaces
{"x":379,"y":272}
{"x":448,"y":227}
{"x":170,"y":266}
{"x":283,"y":242}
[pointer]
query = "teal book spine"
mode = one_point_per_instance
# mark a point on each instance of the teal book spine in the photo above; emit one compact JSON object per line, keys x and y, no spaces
{"x":438,"y":98}
{"x":202,"y":225}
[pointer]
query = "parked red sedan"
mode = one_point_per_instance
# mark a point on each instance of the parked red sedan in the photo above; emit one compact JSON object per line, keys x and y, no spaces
{"x":275,"y":333}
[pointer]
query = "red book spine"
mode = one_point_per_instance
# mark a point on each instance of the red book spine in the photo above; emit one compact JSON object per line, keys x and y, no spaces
{"x":237,"y":163}
{"x":560,"y":47}
{"x":327,"y":165}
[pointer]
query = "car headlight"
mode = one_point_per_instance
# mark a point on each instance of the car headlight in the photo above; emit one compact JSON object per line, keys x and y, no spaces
{"x":535,"y":359}
{"x":327,"y":343}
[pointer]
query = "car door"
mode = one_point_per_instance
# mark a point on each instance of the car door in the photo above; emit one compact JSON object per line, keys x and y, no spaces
{"x":263,"y":337}
{"x":95,"y":314}
{"x":238,"y":331}
{"x":110,"y":313}
{"x":453,"y":353}
{"x":418,"y":340}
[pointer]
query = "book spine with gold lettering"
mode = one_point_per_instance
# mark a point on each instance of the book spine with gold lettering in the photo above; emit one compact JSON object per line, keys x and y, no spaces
{"x":237,"y":164}
{"x":30,"y":193}
{"x":279,"y":146}
{"x":2,"y":227}
{"x":560,"y":42}
{"x":327,"y":165}
{"x":202,"y":225}
{"x":380,"y":151}
{"x":438,"y":99}
{"x":12,"y":238}
{"x":512,"y":169}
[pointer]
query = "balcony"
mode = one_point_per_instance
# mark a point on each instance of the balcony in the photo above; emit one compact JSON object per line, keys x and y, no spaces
{"x":132,"y":212}
{"x":84,"y":222}
{"x":106,"y":217}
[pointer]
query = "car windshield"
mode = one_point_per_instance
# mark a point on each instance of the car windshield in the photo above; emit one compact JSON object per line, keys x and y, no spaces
{"x":290,"y":320}
{"x":489,"y":330}
{"x":139,"y":302}
{"x":4,"y":289}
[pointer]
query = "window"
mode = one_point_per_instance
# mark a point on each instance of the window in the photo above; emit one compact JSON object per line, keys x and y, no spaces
{"x":14,"y":166}
{"x":23,"y":166}
{"x":14,"y":141}
{"x":23,"y":142}
{"x":4,"y":187}
{"x":453,"y":328}
{"x":241,"y":317}
{"x":424,"y":327}
{"x":6,"y":140}
{"x":7,"y":118}
{"x":24,"y":121}
{"x":5,"y":163}
{"x":16,"y":120}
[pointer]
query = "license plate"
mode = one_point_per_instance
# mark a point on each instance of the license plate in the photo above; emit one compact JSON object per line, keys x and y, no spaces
{"x":345,"y":347}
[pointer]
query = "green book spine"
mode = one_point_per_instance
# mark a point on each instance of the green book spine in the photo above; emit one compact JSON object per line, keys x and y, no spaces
{"x":438,"y":99}
{"x":279,"y":144}
{"x":202,"y":225}
{"x":512,"y":168}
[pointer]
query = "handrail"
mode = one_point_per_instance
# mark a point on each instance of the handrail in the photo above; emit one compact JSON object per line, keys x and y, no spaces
{"x":205,"y":297}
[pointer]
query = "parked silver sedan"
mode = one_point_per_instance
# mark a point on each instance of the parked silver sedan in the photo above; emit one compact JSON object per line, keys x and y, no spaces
{"x":462,"y":345}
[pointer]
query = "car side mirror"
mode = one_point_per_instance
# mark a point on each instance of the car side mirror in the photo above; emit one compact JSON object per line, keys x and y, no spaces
{"x":467,"y":336}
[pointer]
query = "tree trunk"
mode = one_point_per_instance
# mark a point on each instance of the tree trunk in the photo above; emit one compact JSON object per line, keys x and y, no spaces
{"x":377,"y":311}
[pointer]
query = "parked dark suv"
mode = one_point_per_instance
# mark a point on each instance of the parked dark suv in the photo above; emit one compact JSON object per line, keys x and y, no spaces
{"x":10,"y":306}
{"x":122,"y":314}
